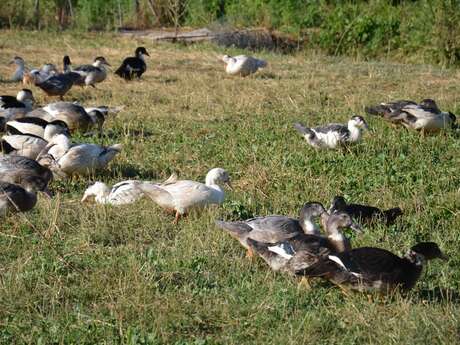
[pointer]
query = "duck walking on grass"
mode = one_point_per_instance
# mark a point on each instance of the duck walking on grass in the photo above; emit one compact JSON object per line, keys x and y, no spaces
{"x":273,"y":229}
{"x":133,"y":66}
{"x":181,"y":196}
{"x":93,"y":74}
{"x":333,"y":135}
{"x":301,"y":251}
{"x":425,"y":116}
{"x":374,"y":269}
{"x":242,"y":65}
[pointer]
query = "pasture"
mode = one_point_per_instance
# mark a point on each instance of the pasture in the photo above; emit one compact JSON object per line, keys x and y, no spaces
{"x":72,"y":273}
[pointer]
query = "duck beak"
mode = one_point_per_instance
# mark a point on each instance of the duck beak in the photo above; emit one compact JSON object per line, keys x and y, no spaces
{"x":47,"y":192}
{"x":147,"y":54}
{"x":85,"y":198}
{"x":356,"y":228}
{"x":229,"y":185}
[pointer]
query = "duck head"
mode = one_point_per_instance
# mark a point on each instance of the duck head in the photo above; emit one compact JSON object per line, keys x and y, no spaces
{"x":66,"y":63}
{"x":140,"y":52}
{"x":227,"y":58}
{"x":358,"y":121}
{"x":427,"y":250}
{"x":17,"y":60}
{"x":340,"y":220}
{"x":308,"y":214}
{"x":95,"y":191}
{"x":218,"y":176}
{"x":26,"y":96}
{"x":35,"y":184}
{"x":100,"y":61}
{"x":337,"y":204}
{"x":430,"y":104}
{"x":56,"y":127}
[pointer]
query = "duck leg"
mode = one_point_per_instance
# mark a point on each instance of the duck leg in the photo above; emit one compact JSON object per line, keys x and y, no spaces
{"x":176,"y":219}
{"x":304,"y":283}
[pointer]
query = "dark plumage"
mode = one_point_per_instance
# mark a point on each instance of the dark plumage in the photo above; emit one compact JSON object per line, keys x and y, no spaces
{"x":133,"y":66}
{"x":14,"y":169}
{"x":15,"y":198}
{"x":376,"y":269}
{"x":59,"y":85}
{"x":363,"y":213}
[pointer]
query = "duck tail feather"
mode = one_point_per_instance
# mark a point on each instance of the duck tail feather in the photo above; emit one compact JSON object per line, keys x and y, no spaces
{"x":237,"y":228}
{"x":322,"y":268}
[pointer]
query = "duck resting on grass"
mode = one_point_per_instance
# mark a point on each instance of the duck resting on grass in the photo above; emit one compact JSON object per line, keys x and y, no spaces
{"x":333,"y":135}
{"x":15,"y":107}
{"x":301,"y":251}
{"x":242,"y":65}
{"x":181,"y":196}
{"x":374,"y":269}
{"x":273,"y":229}
{"x":122,"y":193}
{"x":134,"y":65}
{"x":425,"y":116}
{"x":20,"y":68}
{"x":364,"y":213}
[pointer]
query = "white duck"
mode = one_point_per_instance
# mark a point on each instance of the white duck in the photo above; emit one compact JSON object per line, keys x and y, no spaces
{"x":333,"y":135}
{"x":242,"y":65}
{"x":29,"y":144}
{"x":66,"y":159}
{"x":183,"y":195}
{"x":122,"y":193}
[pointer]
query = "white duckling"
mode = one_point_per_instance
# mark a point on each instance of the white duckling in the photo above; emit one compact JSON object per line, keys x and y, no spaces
{"x":242,"y":65}
{"x":20,"y":68}
{"x":122,"y":193}
{"x":184,"y":195}
{"x":333,"y":135}
{"x":76,"y":159}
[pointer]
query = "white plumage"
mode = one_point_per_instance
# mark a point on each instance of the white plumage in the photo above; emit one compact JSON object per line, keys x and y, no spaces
{"x":242,"y":65}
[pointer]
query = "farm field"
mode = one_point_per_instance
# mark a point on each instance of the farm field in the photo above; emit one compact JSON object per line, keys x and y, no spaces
{"x":73,"y":273}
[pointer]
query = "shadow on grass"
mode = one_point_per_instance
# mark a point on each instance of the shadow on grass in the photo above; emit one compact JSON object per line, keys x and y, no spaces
{"x":439,"y":295}
{"x":267,"y":75}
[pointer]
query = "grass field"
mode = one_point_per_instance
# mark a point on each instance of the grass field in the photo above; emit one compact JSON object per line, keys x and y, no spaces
{"x":82,"y":274}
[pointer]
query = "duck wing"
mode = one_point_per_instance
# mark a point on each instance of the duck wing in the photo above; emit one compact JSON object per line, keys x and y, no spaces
{"x":386,"y":109}
{"x":336,"y":128}
{"x":272,"y":229}
{"x":125,"y":192}
{"x":10,"y":102}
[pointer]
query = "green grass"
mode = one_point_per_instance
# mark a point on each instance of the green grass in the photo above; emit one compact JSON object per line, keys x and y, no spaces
{"x":82,"y":274}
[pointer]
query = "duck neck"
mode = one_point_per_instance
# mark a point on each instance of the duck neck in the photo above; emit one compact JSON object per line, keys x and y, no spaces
{"x":355,"y":132}
{"x":338,"y":240}
{"x":141,"y":56}
{"x":310,"y":227}
{"x":103,"y":196}
{"x":417,"y":262}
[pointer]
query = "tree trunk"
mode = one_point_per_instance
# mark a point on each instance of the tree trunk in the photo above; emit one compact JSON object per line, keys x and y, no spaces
{"x":37,"y":14}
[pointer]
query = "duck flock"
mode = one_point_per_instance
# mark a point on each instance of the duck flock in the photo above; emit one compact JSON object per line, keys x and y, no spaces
{"x":37,"y":147}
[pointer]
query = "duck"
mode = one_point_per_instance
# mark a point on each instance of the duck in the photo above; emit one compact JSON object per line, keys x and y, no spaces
{"x":291,"y":255}
{"x":73,"y":114}
{"x":181,"y":196}
{"x":20,"y":68}
{"x":364,"y":213}
{"x":29,"y":144}
{"x":275,"y":228}
{"x":122,"y":193}
{"x":375,"y":269}
{"x":15,"y":107}
{"x":24,"y":99}
{"x":39,"y":75}
{"x":425,"y":116}
{"x":93,"y":74}
{"x":16,"y":198}
{"x":14,"y":169}
{"x":66,"y":159}
{"x":134,"y":65}
{"x":242,"y":65}
{"x":333,"y":135}
{"x":36,"y":126}
{"x":58,"y":85}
